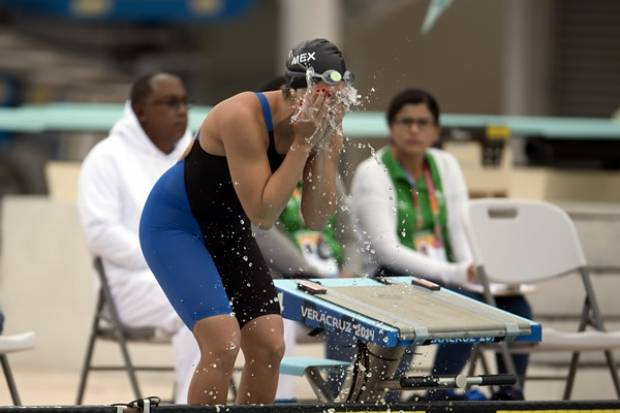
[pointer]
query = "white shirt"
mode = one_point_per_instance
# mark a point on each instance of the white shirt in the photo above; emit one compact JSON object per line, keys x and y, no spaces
{"x":374,"y":206}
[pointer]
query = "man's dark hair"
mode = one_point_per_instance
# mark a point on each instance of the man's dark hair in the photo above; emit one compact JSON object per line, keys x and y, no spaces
{"x":412,"y":97}
{"x":141,"y":88}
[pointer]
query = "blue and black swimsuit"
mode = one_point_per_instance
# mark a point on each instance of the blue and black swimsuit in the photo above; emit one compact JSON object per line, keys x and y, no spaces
{"x":198,"y":241}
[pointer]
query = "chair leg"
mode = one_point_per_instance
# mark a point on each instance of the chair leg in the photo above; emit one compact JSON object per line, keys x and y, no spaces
{"x":174,"y":391}
{"x":570,"y":379}
{"x":90,"y":348}
{"x":611,"y":362}
{"x":591,"y":306}
{"x":9,"y":380}
{"x":510,"y":365}
{"x":131,"y":370}
{"x":478,"y":356}
{"x":86,"y":368}
{"x":484,"y":364}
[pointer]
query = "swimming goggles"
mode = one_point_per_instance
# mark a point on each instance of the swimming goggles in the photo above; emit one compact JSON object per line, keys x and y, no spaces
{"x":331,"y":76}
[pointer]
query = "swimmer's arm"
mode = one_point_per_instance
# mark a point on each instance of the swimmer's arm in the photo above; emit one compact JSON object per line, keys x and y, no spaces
{"x":319,"y":200}
{"x":263,"y":195}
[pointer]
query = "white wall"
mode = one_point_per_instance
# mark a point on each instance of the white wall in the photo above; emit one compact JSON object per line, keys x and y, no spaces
{"x":48,"y":286}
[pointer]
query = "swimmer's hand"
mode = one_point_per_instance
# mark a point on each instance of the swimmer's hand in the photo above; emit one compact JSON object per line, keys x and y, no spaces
{"x":310,"y":121}
{"x":332,"y":133}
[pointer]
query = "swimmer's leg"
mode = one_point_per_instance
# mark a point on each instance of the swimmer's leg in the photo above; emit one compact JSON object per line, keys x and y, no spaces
{"x":219,"y":339}
{"x":262,"y":342}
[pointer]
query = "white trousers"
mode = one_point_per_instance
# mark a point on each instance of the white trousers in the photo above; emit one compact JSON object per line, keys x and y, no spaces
{"x":142,"y":303}
{"x":286,"y":383}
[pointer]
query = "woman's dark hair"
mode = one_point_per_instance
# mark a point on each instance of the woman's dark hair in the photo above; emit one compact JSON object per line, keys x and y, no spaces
{"x":412,"y":97}
{"x":274,"y":84}
{"x":277,"y":83}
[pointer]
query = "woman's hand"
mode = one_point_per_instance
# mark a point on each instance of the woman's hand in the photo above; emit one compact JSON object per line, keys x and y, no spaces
{"x":346,"y":274}
{"x":332,"y":136}
{"x":472,"y":275}
{"x":310,"y":121}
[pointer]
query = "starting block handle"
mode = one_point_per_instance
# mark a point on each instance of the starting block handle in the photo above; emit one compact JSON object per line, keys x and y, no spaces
{"x":460,"y":381}
{"x":495,"y":379}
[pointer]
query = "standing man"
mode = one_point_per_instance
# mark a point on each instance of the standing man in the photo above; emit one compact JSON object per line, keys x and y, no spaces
{"x":115,"y":180}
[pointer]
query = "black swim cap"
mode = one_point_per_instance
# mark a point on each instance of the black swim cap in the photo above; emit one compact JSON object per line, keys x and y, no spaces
{"x":320,"y":54}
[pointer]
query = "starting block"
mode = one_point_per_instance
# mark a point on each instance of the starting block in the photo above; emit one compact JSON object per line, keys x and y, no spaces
{"x":390,"y":314}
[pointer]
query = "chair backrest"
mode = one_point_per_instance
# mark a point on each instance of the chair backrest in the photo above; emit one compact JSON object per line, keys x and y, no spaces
{"x":518,"y":241}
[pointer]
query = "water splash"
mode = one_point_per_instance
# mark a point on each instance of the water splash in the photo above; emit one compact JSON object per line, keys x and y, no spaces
{"x":340,"y":99}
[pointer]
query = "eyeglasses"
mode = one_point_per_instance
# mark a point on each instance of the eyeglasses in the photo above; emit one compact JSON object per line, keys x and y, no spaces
{"x":331,"y":76}
{"x":173,"y":103}
{"x":421,"y":123}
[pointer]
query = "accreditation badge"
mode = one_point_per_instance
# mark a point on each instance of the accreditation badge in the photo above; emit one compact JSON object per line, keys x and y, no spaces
{"x":428,"y":244}
{"x":317,"y":252}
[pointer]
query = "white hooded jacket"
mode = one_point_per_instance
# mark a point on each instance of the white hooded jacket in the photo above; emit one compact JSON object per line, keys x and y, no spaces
{"x":115,"y":180}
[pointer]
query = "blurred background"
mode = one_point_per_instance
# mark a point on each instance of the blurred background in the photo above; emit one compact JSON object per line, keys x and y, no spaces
{"x":537,"y":83}
{"x":509,"y":57}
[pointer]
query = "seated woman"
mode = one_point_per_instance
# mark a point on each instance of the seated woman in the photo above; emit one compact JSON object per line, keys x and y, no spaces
{"x":408,"y":202}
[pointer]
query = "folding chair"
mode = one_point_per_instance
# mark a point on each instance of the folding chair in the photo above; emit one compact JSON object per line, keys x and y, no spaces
{"x":11,"y":344}
{"x":516,"y":242}
{"x":107,"y":326}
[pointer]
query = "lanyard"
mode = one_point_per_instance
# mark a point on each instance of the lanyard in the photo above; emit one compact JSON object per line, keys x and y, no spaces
{"x":433,"y":202}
